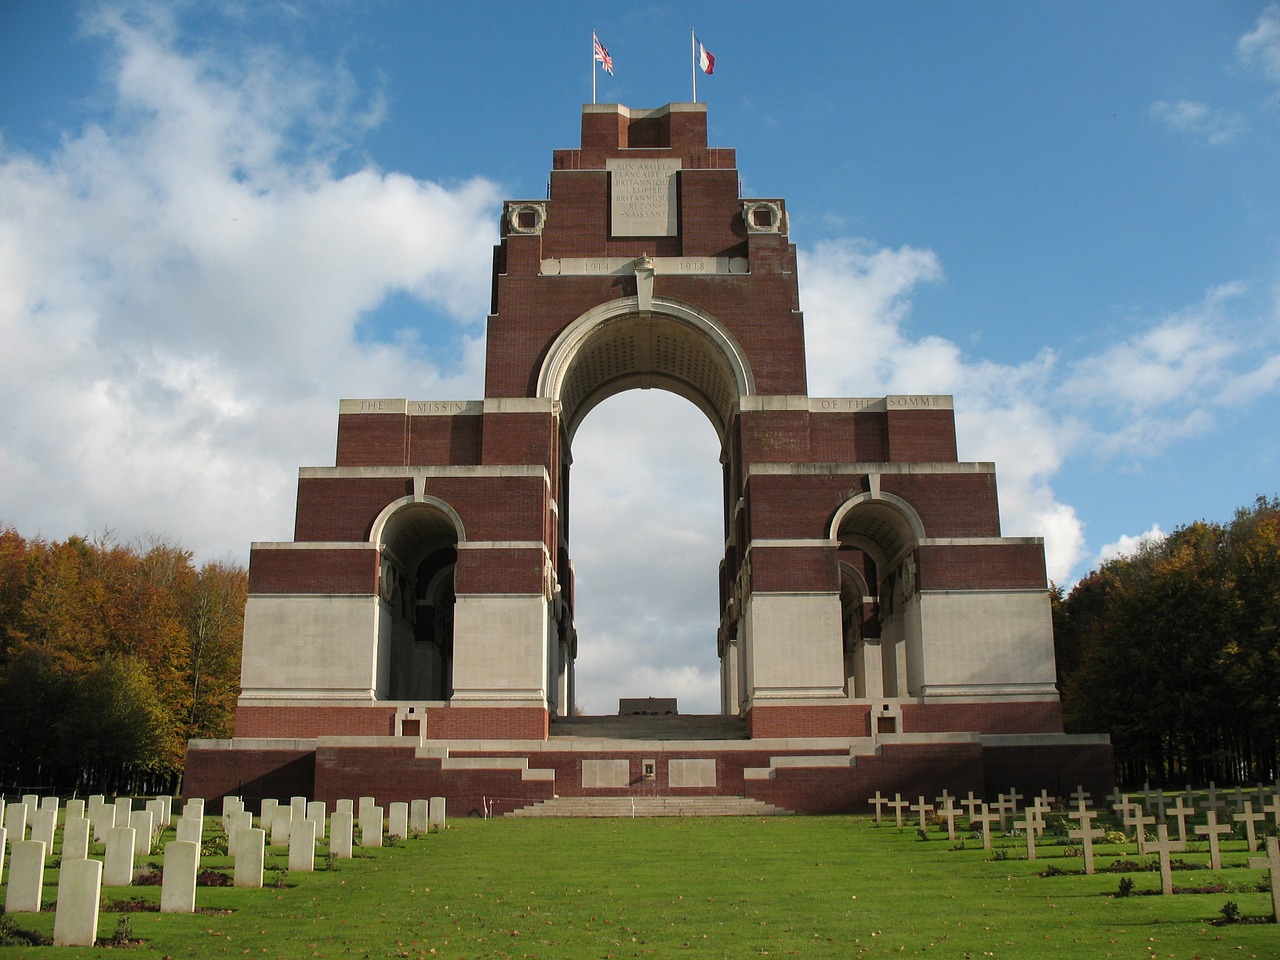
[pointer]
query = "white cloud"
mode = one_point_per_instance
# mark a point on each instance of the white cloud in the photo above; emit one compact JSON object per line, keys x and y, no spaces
{"x":1128,"y":546}
{"x":1260,"y":47}
{"x":857,"y":301}
{"x":181,"y":288}
{"x":1166,"y":382}
{"x":1214,"y":125}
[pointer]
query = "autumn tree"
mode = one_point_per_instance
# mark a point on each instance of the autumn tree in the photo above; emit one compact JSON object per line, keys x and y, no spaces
{"x":111,"y":657}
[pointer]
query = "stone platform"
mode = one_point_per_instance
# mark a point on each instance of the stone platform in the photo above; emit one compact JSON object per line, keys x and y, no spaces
{"x":673,"y":758}
{"x":650,"y":807}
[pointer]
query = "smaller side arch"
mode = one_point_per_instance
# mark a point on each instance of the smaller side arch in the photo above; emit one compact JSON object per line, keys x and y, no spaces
{"x":383,"y":532}
{"x":417,"y":540}
{"x":880,"y":523}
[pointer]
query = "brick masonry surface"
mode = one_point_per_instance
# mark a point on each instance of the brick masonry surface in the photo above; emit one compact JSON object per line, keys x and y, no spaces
{"x":394,"y":774}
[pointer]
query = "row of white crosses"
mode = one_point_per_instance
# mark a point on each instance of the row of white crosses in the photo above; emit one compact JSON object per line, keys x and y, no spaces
{"x":983,"y":816}
{"x":1237,"y":800}
{"x":1134,"y":817}
{"x":977,"y":811}
{"x":128,"y":834}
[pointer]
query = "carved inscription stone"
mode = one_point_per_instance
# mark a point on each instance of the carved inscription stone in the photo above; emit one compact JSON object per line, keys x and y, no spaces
{"x":642,"y":197}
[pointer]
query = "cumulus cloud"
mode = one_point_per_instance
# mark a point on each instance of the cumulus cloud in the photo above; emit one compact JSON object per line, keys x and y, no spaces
{"x":1260,"y":47}
{"x":188,"y":286}
{"x":857,"y":300}
{"x":1168,"y":381}
{"x":1128,"y":546}
{"x":1212,"y":124}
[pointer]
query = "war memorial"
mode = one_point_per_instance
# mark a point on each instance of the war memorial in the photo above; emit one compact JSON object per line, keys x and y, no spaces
{"x":877,"y":635}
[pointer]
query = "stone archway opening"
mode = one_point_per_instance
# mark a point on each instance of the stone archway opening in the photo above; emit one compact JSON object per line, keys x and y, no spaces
{"x":647,"y":544}
{"x":671,"y":348}
{"x":877,"y":537}
{"x":418,"y":552}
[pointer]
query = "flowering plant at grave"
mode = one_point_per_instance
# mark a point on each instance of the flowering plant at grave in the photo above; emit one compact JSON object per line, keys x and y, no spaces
{"x":1115,"y":836}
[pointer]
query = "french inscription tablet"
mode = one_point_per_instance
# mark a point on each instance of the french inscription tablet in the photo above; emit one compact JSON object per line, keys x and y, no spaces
{"x":642,"y":197}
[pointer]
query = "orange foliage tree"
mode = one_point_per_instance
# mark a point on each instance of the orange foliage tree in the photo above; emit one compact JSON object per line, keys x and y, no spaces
{"x":111,"y":658}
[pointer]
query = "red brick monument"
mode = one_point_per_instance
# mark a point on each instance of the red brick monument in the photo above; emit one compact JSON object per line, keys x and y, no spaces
{"x":877,"y":632}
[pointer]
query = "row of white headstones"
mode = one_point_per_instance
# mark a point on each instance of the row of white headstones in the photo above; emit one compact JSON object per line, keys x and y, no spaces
{"x":30,"y":825}
{"x":1135,"y":812}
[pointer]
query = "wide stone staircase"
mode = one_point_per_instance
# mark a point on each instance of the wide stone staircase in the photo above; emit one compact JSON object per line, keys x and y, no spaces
{"x":650,"y":727}
{"x":650,"y":807}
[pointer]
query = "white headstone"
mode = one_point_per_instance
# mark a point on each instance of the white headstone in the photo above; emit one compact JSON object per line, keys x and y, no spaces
{"x":26,"y":877}
{"x":103,"y":818}
{"x":231,"y":805}
{"x":302,"y":846}
{"x":340,"y":831}
{"x":79,"y":890}
{"x":268,"y":811}
{"x":371,"y":827}
{"x":166,"y":806}
{"x":43,"y":826}
{"x":436,"y":815}
{"x":281,"y":821}
{"x":419,"y":816}
{"x":239,"y":823}
{"x":299,"y":807}
{"x":117,"y":864}
{"x":143,"y":826}
{"x":158,"y":818}
{"x":124,"y":809}
{"x":250,"y":852}
{"x":191,"y":830}
{"x":194,"y":808}
{"x":181,"y":864}
{"x":317,"y":813}
{"x":364,"y":804}
{"x":15,"y":821}
{"x":75,"y":808}
{"x":4,"y":836}
{"x":49,"y":803}
{"x":346,"y":804}
{"x":398,"y":820}
{"x":75,"y":839}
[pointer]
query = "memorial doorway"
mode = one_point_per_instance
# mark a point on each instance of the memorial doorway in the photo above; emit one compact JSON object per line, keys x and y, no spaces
{"x":671,"y":346}
{"x":645,"y":505}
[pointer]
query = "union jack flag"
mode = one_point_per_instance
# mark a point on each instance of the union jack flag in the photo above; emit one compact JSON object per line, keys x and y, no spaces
{"x":601,"y":54}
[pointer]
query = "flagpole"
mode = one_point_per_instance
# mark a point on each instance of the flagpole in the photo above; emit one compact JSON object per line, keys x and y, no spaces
{"x":693,"y":61}
{"x":593,"y":66}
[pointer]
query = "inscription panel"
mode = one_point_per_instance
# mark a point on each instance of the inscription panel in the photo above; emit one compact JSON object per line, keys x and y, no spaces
{"x":642,"y":197}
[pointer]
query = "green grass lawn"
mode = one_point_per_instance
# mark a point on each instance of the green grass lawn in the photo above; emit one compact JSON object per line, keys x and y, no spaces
{"x":670,"y":887}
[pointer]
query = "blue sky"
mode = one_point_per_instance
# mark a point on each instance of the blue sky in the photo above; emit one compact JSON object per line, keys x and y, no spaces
{"x":217,"y":219}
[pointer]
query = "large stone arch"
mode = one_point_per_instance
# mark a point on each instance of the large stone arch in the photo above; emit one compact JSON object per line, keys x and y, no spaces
{"x":673,"y":346}
{"x":668,"y":345}
{"x":417,"y":540}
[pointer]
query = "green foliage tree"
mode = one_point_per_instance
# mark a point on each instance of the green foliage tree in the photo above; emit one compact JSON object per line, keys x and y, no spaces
{"x":1174,"y":651}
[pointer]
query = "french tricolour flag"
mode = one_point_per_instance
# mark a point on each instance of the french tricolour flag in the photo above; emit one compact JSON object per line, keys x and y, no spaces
{"x":706,"y":62}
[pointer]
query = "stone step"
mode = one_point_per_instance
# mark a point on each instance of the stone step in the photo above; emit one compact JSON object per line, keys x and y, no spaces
{"x":636,"y":727}
{"x":650,"y":807}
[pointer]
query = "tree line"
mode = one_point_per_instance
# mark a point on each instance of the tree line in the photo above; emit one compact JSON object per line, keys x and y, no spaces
{"x":1175,"y":651}
{"x":111,"y":657}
